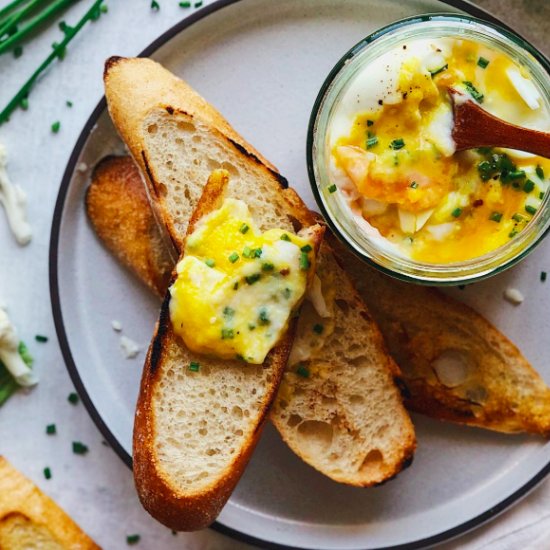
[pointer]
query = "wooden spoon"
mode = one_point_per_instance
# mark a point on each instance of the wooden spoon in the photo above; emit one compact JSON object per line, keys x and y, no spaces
{"x":474,"y":127}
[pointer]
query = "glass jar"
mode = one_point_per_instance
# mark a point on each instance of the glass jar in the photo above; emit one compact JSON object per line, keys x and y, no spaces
{"x":333,"y":205}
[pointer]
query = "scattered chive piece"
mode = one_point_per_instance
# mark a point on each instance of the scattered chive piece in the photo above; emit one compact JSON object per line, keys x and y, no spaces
{"x":530,"y":209}
{"x":440,"y":70}
{"x":73,"y":398}
{"x":541,"y":195}
{"x":302,"y":371}
{"x":194,"y":366}
{"x":256,"y":253}
{"x":24,"y":104}
{"x":542,"y":276}
{"x":236,"y":285}
{"x":482,"y":62}
{"x":103,"y":8}
{"x":132,"y":539}
{"x":40,"y":338}
{"x":263,"y":318}
{"x":210,"y":262}
{"x":69,"y":103}
{"x":304,"y":261}
{"x":285,"y":237}
{"x":198,"y":4}
{"x":185,"y":4}
{"x":286,"y":293}
{"x":17,"y":51}
{"x":496,"y":217}
{"x":478,"y":96}
{"x":244,"y":228}
{"x":332,"y":188}
{"x":51,"y":429}
{"x":47,"y":473}
{"x":370,"y":122}
{"x":306,"y":248}
{"x":233,"y":257}
{"x":79,"y":448}
{"x":56,"y":126}
{"x":540,"y":172}
{"x":512,"y":233}
{"x":528,"y":186}
{"x":371,"y":142}
{"x":228,"y":311}
{"x":268,"y":266}
{"x":517,"y":217}
{"x":513,"y":175}
{"x":227,"y":334}
{"x":251,"y":279}
{"x":318,"y":328}
{"x":155,"y":5}
{"x":414,"y":185}
{"x":251,"y":326}
{"x":397,"y":144}
{"x":247,"y":251}
{"x":456,"y":212}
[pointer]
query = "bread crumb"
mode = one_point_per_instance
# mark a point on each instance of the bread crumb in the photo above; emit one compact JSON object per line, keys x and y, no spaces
{"x":129,"y":347}
{"x":513,"y":295}
{"x":81,"y":167}
{"x":117,"y":326}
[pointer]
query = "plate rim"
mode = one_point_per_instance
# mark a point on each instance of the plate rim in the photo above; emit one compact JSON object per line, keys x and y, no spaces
{"x":62,"y":336}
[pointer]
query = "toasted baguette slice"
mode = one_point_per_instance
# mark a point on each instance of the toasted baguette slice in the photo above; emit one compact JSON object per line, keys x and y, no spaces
{"x":126,"y":226}
{"x":29,"y":520}
{"x":453,"y":325}
{"x":456,"y":364}
{"x":177,"y":144}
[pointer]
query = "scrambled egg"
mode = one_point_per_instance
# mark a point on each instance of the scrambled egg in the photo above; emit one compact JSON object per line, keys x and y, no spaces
{"x":236,"y":288}
{"x":408,"y":182}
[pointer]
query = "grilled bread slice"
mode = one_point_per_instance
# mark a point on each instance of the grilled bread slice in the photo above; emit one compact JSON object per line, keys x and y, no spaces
{"x":29,"y":520}
{"x":177,"y":144}
{"x":501,"y":393}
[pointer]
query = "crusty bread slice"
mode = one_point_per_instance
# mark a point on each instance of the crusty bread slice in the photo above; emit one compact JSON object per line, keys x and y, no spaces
{"x":194,"y":432}
{"x":325,"y":419}
{"x":29,"y":520}
{"x":517,"y":399}
{"x":178,"y":144}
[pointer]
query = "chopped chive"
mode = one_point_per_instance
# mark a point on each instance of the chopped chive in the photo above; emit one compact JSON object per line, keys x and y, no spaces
{"x":518,"y":217}
{"x":285,"y":237}
{"x":370,"y":123}
{"x":132,"y":539}
{"x":24,"y":104}
{"x":233,"y":257}
{"x":268,"y":266}
{"x":210,"y":262}
{"x":251,"y":279}
{"x":306,"y":248}
{"x":478,"y":96}
{"x":155,"y":5}
{"x":251,"y":326}
{"x":530,"y":209}
{"x":227,"y":334}
{"x":528,"y":186}
{"x":414,"y":185}
{"x":69,"y":103}
{"x":40,"y":338}
{"x":198,"y":4}
{"x":541,"y":195}
{"x":302,"y":371}
{"x":236,"y":285}
{"x":263,"y":318}
{"x":539,"y":171}
{"x":244,"y":228}
{"x":512,"y":233}
{"x":440,"y":70}
{"x":456,"y":212}
{"x":256,"y":253}
{"x":372,"y":142}
{"x":542,"y":276}
{"x":51,"y":429}
{"x":47,"y":473}
{"x":397,"y":144}
{"x":103,"y":8}
{"x":79,"y":448}
{"x":304,"y":261}
{"x":287,"y":293}
{"x":513,"y":175}
{"x":185,"y":4}
{"x":495,"y":217}
{"x":482,"y":62}
{"x":332,"y":188}
{"x":318,"y":328}
{"x":247,"y":251}
{"x":56,"y":126}
{"x":73,"y":398}
{"x":194,"y":366}
{"x":228,"y":311}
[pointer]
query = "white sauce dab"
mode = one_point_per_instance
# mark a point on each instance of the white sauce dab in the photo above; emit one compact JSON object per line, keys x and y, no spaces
{"x":129,"y":347}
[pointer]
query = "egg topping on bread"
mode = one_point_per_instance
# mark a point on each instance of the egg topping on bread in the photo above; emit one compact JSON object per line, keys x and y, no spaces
{"x":236,"y":287}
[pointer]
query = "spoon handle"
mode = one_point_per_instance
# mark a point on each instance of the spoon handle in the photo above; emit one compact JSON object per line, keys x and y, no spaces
{"x":474,"y":127}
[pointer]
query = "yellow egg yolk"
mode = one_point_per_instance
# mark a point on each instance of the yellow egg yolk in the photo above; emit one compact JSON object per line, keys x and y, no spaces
{"x":435,"y":204}
{"x":236,"y":287}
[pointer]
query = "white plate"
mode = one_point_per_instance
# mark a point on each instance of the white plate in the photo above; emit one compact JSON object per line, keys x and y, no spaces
{"x":262,"y":63}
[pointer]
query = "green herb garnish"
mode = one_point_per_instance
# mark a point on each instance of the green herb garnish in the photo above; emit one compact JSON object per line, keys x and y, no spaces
{"x":41,"y":338}
{"x":506,"y":177}
{"x":79,"y":448}
{"x":397,"y":144}
{"x":236,"y":285}
{"x":513,"y":233}
{"x":518,"y":217}
{"x":287,"y":293}
{"x":210,"y":262}
{"x":247,"y":251}
{"x":372,"y":142}
{"x":303,"y":371}
{"x":495,"y":217}
{"x":285,"y":237}
{"x":56,"y":126}
{"x":370,"y":123}
{"x":73,"y":398}
{"x":69,"y":103}
{"x":306,"y":248}
{"x":244,"y":228}
{"x":251,"y":279}
{"x":539,"y":171}
{"x":51,"y":429}
{"x":194,"y":366}
{"x":132,"y":539}
{"x":414,"y":185}
{"x":318,"y":328}
{"x":440,"y":70}
{"x":456,"y":212}
{"x":471,"y":89}
{"x":304,"y":261}
{"x":332,"y":188}
{"x":185,"y":4}
{"x":263,"y":318}
{"x":251,"y":326}
{"x":47,"y":473}
{"x":198,"y":4}
{"x":228,"y":311}
{"x":542,"y":276}
{"x":233,"y":257}
{"x":155,"y":5}
{"x":482,"y":62}
{"x":268,"y":266}
{"x":528,"y":186}
{"x":530,"y":209}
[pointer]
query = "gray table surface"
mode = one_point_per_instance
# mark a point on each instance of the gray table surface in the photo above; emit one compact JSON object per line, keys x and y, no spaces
{"x":97,"y":489}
